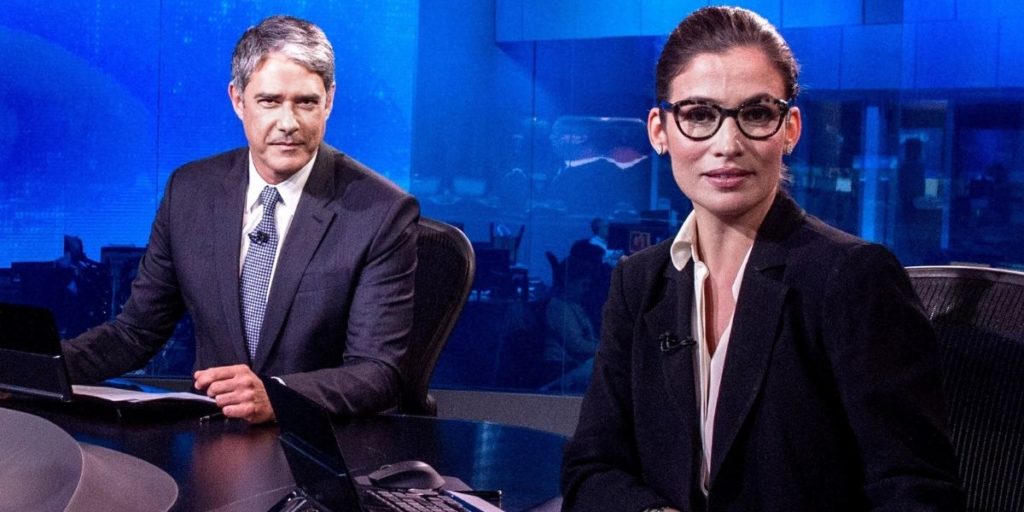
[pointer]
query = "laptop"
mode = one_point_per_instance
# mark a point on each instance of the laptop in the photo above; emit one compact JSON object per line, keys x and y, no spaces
{"x":321,"y":475}
{"x":31,"y":361}
{"x":32,"y":364}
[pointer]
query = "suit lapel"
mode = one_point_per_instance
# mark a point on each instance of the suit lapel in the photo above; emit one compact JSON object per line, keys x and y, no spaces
{"x":669,"y":320}
{"x":755,"y":327}
{"x":668,"y":326}
{"x":227,"y":229}
{"x":312,"y":218}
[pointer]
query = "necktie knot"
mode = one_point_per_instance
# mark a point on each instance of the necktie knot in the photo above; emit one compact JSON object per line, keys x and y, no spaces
{"x":269,"y":199}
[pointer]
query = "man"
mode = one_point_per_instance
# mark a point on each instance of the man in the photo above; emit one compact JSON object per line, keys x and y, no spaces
{"x":294,"y":260}
{"x":599,"y":228}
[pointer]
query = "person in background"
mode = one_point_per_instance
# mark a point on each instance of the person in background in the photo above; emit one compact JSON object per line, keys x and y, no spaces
{"x":82,"y":301}
{"x":294,"y":260}
{"x":599,"y":228}
{"x":760,"y":360}
{"x":571,"y":340}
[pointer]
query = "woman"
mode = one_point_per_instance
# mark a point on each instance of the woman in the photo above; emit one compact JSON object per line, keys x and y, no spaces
{"x":761,"y":360}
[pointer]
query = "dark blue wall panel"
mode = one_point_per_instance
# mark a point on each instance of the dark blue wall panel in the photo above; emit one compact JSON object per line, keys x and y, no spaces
{"x":872,"y":57}
{"x":957,"y":55}
{"x":928,"y":10}
{"x":815,"y":13}
{"x":1011,"y":53}
{"x":659,"y":17}
{"x":988,"y":9}
{"x":818,"y":51}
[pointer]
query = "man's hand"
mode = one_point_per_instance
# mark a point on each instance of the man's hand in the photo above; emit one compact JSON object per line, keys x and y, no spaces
{"x":238,"y":391}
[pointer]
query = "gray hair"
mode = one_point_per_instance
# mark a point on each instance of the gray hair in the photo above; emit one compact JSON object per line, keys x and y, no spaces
{"x":299,"y":40}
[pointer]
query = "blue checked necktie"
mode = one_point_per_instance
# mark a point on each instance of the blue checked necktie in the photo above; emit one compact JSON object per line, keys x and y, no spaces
{"x":259,"y":263}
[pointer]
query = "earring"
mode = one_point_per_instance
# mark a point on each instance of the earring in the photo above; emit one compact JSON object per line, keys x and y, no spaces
{"x":660,"y":150}
{"x":788,"y":149}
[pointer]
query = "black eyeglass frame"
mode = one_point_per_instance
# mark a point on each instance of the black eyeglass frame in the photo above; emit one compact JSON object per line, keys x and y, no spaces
{"x":724,"y":113}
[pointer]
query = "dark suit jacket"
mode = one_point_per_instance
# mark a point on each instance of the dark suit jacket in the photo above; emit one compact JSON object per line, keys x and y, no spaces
{"x":830,"y":398}
{"x":340,"y":306}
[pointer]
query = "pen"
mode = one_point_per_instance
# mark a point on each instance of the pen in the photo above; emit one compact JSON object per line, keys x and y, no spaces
{"x":210,"y":417}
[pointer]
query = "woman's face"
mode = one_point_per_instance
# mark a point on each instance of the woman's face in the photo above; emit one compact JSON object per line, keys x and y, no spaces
{"x":729,"y":176}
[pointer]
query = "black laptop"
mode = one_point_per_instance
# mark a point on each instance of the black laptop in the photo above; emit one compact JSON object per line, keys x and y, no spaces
{"x":32,"y":364}
{"x":31,"y":361}
{"x":318,"y":467}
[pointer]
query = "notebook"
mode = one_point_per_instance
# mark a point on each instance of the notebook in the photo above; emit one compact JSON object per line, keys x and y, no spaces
{"x":32,"y":364}
{"x":321,"y":475}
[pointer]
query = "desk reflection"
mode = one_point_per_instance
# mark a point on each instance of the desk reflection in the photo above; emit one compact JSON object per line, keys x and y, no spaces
{"x":229,"y":465}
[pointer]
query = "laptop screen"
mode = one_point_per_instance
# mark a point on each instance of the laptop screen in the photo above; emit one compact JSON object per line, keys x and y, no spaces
{"x":28,"y":329}
{"x":30,"y":354}
{"x":311,"y":448}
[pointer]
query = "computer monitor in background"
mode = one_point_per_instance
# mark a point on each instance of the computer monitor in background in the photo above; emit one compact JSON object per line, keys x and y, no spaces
{"x":635,"y":237}
{"x":493,"y":269}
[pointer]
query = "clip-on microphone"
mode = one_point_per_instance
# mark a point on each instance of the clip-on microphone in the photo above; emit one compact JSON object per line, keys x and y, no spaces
{"x":669,"y":342}
{"x":258,"y":237}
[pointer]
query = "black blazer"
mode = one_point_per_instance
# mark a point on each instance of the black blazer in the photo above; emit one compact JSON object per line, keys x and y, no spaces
{"x":830,"y":397}
{"x":340,"y":306}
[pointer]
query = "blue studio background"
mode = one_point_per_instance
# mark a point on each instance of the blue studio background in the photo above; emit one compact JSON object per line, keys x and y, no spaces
{"x":520,"y":121}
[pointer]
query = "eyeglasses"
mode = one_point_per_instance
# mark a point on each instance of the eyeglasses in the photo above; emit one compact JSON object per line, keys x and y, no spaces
{"x":700,"y":120}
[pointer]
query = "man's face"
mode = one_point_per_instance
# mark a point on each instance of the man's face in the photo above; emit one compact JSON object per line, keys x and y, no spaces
{"x":284,"y":110}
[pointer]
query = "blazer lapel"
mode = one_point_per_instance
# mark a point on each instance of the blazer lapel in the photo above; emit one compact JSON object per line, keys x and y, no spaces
{"x":227,"y":230}
{"x":668,"y":326}
{"x":757,"y":317}
{"x":312,"y":218}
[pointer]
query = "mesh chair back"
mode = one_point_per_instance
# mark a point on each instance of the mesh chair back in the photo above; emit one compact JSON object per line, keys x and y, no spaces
{"x":444,"y":275}
{"x":978,"y":314}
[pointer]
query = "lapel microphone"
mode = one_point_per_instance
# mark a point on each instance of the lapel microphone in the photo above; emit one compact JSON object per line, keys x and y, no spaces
{"x":258,"y":237}
{"x":670,"y":342}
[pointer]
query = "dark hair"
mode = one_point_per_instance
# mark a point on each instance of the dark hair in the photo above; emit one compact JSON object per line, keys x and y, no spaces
{"x":717,"y":30}
{"x":299,"y":40}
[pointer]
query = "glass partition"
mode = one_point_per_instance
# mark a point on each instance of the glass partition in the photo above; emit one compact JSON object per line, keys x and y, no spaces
{"x":536,"y":149}
{"x":572,"y":180}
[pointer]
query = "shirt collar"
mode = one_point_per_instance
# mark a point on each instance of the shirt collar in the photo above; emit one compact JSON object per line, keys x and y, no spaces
{"x":682,"y":248}
{"x":289,"y":189}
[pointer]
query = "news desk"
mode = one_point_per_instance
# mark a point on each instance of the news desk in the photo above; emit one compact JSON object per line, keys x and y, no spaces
{"x":228,"y":465}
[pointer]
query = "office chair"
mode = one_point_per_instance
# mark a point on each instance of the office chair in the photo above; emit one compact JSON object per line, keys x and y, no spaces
{"x":444,"y":275}
{"x":978,"y":314}
{"x":557,"y":270}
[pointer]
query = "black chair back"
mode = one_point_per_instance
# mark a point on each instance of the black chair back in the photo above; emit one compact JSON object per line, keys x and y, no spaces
{"x":978,"y":314}
{"x":444,"y":276}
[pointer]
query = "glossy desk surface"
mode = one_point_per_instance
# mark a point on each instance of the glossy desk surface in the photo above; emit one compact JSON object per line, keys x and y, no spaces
{"x":229,"y":465}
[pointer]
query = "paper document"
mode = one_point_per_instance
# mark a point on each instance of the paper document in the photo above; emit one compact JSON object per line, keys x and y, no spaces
{"x":126,"y":395}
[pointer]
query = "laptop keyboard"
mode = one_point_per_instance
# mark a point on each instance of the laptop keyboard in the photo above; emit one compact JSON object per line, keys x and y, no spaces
{"x":416,"y":501}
